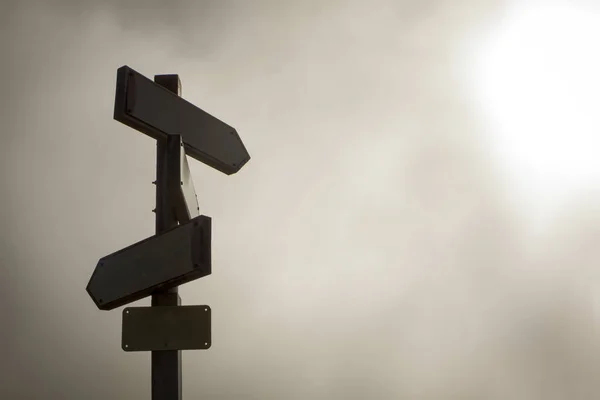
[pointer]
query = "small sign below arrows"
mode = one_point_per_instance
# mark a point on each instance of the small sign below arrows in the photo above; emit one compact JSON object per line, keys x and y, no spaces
{"x":166,"y":328}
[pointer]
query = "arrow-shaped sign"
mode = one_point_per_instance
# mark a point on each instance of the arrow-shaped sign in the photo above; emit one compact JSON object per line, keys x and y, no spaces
{"x":180,"y":186}
{"x":175,"y":257}
{"x":150,"y":108}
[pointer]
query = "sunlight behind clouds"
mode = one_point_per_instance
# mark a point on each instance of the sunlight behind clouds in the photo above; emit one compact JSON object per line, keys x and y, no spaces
{"x":367,"y":251}
{"x":537,"y":83}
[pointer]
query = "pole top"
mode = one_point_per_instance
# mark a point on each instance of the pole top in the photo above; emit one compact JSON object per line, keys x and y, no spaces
{"x":170,"y":82}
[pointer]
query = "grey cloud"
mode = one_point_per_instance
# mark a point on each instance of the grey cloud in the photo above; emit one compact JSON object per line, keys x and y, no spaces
{"x":368,"y":249}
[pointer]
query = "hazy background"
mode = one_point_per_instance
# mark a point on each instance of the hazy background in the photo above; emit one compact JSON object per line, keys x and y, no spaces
{"x":420,"y":218}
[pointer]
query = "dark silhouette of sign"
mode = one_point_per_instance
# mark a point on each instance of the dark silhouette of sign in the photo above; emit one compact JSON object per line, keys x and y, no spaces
{"x":163,"y":261}
{"x":166,"y":328}
{"x":180,"y":251}
{"x":158,"y":112}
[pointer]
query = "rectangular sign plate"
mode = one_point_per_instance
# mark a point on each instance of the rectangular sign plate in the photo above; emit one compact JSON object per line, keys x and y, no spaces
{"x":166,"y":328}
{"x":150,"y":108}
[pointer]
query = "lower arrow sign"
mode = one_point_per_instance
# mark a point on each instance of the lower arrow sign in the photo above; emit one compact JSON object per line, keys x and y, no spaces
{"x":175,"y":257}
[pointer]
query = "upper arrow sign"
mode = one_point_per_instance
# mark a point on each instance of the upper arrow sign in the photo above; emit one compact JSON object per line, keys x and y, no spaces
{"x":157,"y":112}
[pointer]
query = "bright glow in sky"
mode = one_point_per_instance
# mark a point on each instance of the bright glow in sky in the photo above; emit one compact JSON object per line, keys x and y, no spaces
{"x":366,"y":251}
{"x":538,"y":82}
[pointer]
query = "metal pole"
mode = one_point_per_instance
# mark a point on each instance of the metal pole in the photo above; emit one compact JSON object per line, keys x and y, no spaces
{"x":166,"y":365}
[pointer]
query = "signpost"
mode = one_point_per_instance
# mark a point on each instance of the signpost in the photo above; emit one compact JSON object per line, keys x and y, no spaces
{"x":180,"y":251}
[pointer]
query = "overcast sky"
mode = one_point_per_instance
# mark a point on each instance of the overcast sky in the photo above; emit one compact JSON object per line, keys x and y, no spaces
{"x":419,"y":220}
